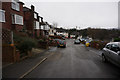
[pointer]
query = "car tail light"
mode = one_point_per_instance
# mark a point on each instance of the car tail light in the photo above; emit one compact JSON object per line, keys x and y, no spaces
{"x":64,"y":42}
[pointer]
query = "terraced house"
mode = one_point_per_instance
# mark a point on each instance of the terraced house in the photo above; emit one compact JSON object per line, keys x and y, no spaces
{"x":12,"y":15}
{"x":34,"y":23}
{"x":11,"y":20}
{"x":31,"y":20}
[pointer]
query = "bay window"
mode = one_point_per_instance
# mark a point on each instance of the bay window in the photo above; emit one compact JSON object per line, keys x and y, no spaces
{"x":36,"y":25}
{"x":15,"y":6}
{"x":42,"y":27}
{"x":2,"y":15}
{"x":35,"y":15}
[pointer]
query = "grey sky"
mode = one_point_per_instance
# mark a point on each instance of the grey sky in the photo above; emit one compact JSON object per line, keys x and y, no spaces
{"x":81,"y":14}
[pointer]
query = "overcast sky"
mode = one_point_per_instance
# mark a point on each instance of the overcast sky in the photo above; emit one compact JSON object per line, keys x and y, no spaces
{"x":83,"y":14}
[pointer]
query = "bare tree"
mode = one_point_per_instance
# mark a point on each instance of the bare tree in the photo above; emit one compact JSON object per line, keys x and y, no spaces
{"x":55,"y":24}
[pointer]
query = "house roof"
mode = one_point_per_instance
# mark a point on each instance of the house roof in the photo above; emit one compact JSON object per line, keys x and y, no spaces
{"x":26,"y":9}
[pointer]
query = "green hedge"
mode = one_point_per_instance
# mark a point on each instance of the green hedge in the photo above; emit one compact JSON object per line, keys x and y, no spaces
{"x":117,"y":40}
{"x":24,"y":44}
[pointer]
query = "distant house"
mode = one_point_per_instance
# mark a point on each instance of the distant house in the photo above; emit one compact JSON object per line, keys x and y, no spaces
{"x":45,"y":27}
{"x":52,"y":31}
{"x":31,"y":21}
{"x":11,"y":15}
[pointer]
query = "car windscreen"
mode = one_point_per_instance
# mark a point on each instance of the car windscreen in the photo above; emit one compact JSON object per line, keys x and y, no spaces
{"x":77,"y":41}
{"x":61,"y":41}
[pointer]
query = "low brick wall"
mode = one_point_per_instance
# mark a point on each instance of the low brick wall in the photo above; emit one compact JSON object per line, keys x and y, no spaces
{"x":43,"y":45}
{"x":9,"y":54}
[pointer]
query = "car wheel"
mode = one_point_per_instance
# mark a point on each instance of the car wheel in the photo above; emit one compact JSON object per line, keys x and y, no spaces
{"x":104,"y":58}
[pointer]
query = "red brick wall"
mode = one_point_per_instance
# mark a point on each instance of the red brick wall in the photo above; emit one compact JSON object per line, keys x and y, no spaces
{"x":8,"y":18}
{"x":28,"y":18}
{"x":7,"y":7}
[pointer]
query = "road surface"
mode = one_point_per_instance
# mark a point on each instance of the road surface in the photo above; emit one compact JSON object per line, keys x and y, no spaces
{"x":74,"y":61}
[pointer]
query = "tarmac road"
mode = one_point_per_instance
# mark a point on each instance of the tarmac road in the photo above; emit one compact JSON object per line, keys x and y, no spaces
{"x":74,"y":61}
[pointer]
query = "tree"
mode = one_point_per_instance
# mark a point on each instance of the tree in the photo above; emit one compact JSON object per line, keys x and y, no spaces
{"x":55,"y":24}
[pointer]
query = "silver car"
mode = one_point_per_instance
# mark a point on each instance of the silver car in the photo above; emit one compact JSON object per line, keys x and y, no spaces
{"x":111,"y":52}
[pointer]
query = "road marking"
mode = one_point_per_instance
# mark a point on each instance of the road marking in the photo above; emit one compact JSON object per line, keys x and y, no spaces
{"x":33,"y":68}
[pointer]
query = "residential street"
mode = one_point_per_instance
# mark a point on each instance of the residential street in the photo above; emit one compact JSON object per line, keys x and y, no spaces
{"x":74,"y":61}
{"x":60,"y":39}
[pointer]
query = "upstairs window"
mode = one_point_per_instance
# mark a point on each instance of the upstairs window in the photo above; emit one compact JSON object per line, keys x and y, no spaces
{"x":2,"y":15}
{"x":39,"y":19}
{"x":15,"y":6}
{"x":46,"y":27}
{"x":35,"y":15}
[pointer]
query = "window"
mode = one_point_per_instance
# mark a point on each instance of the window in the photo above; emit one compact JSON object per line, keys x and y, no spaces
{"x":108,"y":46}
{"x":13,"y":19}
{"x":42,"y":27}
{"x":46,"y":27}
{"x":36,"y":25}
{"x":2,"y":15}
{"x":115,"y":48}
{"x":39,"y":19}
{"x":15,"y":6}
{"x":35,"y":15}
{"x":17,"y":19}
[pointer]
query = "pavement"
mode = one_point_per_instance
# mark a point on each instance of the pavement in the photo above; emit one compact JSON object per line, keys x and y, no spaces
{"x":74,"y":61}
{"x":18,"y":69}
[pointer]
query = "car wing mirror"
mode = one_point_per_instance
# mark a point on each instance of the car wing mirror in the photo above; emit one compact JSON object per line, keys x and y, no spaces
{"x":118,"y":52}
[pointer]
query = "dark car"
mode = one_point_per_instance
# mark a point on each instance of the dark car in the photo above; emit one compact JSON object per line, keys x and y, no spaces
{"x":61,"y":43}
{"x":77,"y":41}
{"x":111,"y":52}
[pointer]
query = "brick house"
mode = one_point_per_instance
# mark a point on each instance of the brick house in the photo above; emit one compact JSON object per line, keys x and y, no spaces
{"x":11,"y":19}
{"x":31,"y":22}
{"x":52,"y":31}
{"x":42,"y":34}
{"x":45,"y":27}
{"x":12,"y":15}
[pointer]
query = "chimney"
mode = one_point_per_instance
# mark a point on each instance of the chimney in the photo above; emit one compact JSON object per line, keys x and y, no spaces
{"x":32,"y":8}
{"x":41,"y":19}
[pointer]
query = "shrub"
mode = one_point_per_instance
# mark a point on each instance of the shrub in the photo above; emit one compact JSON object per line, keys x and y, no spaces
{"x":98,"y":44}
{"x":117,"y":40}
{"x":26,"y":45}
{"x":17,"y":38}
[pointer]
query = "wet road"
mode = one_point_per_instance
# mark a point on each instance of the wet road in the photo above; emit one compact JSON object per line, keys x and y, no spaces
{"x":74,"y":61}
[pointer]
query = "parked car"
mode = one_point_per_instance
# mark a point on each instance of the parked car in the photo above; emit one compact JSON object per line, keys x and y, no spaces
{"x":87,"y":42}
{"x":57,"y":39}
{"x":61,"y":43}
{"x":82,"y":39}
{"x":111,"y":52}
{"x":76,"y":41}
